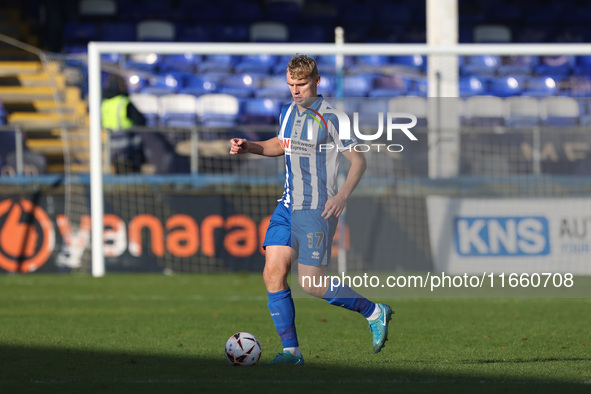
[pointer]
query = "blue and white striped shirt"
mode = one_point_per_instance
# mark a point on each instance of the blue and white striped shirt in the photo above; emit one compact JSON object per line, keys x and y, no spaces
{"x":312,"y":154}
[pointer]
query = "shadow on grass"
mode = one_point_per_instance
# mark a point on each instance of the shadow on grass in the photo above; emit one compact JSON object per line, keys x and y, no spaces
{"x":48,"y":370}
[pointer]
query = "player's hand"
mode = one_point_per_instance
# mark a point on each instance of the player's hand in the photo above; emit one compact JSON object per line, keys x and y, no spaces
{"x":334,"y":207}
{"x":238,"y":145}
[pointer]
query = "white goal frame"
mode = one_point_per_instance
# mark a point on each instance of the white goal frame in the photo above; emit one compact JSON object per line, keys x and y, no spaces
{"x":96,"y":49}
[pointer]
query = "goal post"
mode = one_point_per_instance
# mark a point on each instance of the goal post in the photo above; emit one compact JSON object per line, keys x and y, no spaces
{"x":96,"y":49}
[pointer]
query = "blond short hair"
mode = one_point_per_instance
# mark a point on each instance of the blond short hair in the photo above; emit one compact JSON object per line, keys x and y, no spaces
{"x":302,"y":66}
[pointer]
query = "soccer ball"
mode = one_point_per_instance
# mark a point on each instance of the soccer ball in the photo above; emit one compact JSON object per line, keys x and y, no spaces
{"x":243,"y":349}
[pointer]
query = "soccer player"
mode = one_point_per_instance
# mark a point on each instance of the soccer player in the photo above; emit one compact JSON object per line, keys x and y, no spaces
{"x":305,"y":220}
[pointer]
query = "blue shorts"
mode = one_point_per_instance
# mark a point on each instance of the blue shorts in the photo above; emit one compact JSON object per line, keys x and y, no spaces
{"x":279,"y":230}
{"x":306,"y":231}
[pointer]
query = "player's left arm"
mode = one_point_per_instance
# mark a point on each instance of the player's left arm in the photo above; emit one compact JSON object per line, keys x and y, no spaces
{"x":335,"y":205}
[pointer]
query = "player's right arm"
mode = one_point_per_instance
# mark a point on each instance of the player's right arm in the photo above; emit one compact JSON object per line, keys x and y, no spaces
{"x":271,"y":147}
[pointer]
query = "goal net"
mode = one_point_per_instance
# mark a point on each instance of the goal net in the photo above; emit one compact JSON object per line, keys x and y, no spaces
{"x":452,"y":184}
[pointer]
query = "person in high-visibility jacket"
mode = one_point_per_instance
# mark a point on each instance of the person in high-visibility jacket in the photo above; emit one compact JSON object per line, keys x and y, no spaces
{"x":118,"y":114}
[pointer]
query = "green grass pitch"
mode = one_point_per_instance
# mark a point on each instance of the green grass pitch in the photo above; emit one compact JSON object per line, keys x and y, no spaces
{"x":128,"y":333}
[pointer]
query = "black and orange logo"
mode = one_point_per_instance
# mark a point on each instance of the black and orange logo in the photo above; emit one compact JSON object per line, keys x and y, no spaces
{"x":27,"y":236}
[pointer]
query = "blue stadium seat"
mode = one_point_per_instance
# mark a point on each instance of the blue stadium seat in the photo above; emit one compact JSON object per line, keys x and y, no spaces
{"x":239,"y":85}
{"x":111,"y":58}
{"x":371,"y":61}
{"x":356,"y":85}
{"x":471,"y":86}
{"x":261,"y":111}
{"x":505,"y":86}
{"x":163,"y":84}
{"x":198,"y":85}
{"x":541,"y":86}
{"x":583,"y":65}
{"x":389,"y":86}
{"x":179,"y":62}
{"x":517,"y":65}
{"x":480,"y":65}
{"x":142,"y":62}
{"x":327,"y":87}
{"x":413,"y":62}
{"x":281,"y":65}
{"x":418,"y":86}
{"x":556,"y":66}
{"x":327,"y":64}
{"x":256,"y":64}
{"x":275,"y":86}
{"x":136,"y":82}
{"x":218,"y":63}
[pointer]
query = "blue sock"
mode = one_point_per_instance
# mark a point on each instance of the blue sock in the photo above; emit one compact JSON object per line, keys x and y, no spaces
{"x":283,"y":314}
{"x":346,"y":297}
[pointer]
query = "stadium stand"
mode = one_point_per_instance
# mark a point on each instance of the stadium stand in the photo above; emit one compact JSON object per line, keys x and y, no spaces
{"x":532,"y":78}
{"x":28,"y":92}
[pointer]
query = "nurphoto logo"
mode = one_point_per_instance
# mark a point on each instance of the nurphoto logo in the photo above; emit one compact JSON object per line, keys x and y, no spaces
{"x":394,"y":121}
